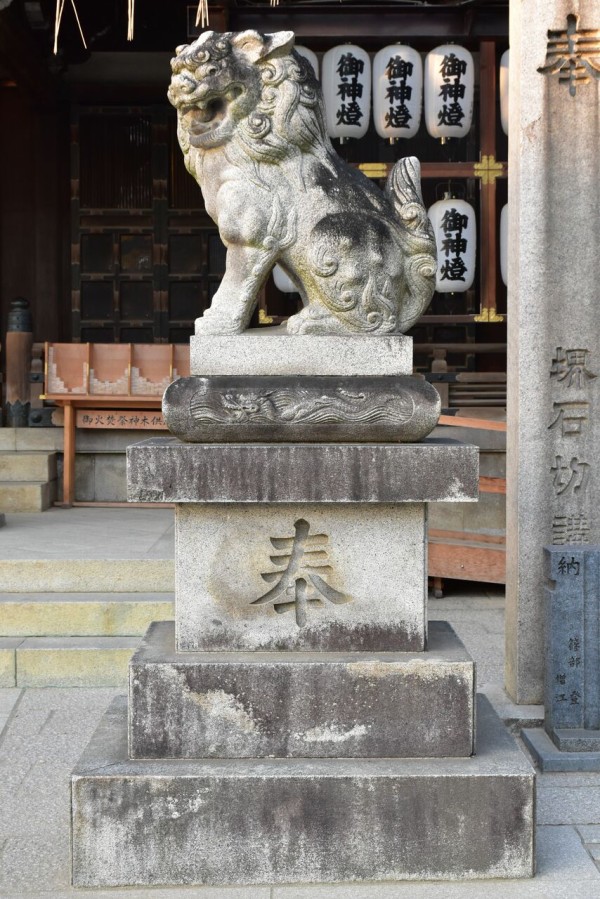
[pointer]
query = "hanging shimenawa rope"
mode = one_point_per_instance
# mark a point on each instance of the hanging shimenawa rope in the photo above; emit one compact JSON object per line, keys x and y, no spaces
{"x":60,"y":6}
{"x":202,"y":14}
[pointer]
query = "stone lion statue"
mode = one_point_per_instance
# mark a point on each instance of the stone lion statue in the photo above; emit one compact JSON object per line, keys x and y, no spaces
{"x":252,"y":130}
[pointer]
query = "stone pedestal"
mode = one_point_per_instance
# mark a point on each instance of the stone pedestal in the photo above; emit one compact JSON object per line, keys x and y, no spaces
{"x":300,"y":722}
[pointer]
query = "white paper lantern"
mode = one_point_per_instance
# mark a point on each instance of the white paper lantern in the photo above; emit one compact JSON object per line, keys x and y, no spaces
{"x":397,"y":91}
{"x":347,"y":91}
{"x":455,"y":232}
{"x":312,"y":58}
{"x":504,"y":243}
{"x":283,"y":281}
{"x":449,"y":87}
{"x":504,"y":60}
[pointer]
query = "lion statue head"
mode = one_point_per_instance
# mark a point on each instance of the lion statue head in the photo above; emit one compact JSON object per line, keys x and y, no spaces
{"x":251,"y":86}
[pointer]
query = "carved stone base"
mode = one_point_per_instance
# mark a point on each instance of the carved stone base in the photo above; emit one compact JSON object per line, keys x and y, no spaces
{"x":300,"y":576}
{"x":402,"y":409}
{"x":301,"y":705}
{"x":242,"y":821}
{"x":572,"y":757}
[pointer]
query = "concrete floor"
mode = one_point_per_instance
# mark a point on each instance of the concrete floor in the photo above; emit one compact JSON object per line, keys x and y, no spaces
{"x":43,"y":732}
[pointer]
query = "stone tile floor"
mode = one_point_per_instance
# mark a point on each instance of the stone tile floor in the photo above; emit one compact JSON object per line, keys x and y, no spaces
{"x":89,"y":533}
{"x":44,"y":731}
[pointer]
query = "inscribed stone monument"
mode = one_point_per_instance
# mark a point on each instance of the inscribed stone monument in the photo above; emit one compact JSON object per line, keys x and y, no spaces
{"x":553,"y":479}
{"x":299,"y":701}
{"x":571,"y":739}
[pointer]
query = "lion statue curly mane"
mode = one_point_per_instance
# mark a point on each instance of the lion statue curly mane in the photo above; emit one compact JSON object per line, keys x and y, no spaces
{"x":252,"y":129}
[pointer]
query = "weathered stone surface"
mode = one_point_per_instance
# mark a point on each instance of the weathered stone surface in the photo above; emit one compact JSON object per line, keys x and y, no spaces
{"x":167,"y":470}
{"x":553,"y":479}
{"x":548,"y":756}
{"x":310,"y":820}
{"x":338,"y":577}
{"x":300,"y":410}
{"x":272,"y":352}
{"x":323,"y":705}
{"x":572,"y":683}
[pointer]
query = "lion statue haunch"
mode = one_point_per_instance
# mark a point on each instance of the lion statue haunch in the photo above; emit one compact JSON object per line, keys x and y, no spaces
{"x":252,"y":129}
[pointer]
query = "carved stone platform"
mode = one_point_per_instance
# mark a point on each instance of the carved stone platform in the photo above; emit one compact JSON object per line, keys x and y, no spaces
{"x":284,"y":704}
{"x":241,"y":821}
{"x":309,"y":409}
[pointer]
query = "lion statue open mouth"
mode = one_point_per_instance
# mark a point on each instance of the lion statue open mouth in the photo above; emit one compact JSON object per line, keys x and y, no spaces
{"x":252,"y":129}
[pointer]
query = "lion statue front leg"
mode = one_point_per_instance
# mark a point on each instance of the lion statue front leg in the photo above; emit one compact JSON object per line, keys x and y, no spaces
{"x":255,"y":237}
{"x":234,"y":302}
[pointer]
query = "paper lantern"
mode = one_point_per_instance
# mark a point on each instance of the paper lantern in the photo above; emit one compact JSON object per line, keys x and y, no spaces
{"x":503,"y":80}
{"x":312,"y":58}
{"x":283,"y":281}
{"x":449,"y":86}
{"x":346,"y":82}
{"x":397,"y":91}
{"x":504,"y":243}
{"x":455,"y":232}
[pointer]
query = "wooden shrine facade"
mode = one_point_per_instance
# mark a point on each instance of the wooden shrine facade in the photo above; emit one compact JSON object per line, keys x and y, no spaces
{"x":110,"y":241}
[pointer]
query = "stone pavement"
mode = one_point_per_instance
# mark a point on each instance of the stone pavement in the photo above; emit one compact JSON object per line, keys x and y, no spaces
{"x":45,"y":731}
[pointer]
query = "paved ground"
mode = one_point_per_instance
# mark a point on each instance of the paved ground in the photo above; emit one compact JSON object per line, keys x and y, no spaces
{"x":89,"y":533}
{"x":43,"y":733}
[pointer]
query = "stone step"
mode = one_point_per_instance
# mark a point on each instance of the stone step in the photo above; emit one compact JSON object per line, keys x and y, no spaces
{"x":87,"y":575}
{"x":81,"y":614}
{"x":26,"y":496}
{"x":66,"y":661}
{"x":24,"y":439}
{"x":27,"y":466}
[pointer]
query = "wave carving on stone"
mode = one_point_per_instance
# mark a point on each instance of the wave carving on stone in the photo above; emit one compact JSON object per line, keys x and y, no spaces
{"x":295,"y":406}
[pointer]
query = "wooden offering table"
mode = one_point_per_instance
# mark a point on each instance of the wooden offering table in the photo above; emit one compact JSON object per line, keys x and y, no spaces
{"x":109,"y":386}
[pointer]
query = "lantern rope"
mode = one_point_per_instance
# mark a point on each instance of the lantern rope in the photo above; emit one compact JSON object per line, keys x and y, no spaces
{"x":60,"y":7}
{"x":130,"y":18}
{"x":202,"y":14}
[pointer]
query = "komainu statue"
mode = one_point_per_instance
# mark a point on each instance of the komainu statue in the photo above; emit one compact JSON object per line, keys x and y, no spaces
{"x":252,"y":129}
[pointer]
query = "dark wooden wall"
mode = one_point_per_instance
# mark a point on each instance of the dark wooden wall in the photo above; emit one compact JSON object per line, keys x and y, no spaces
{"x":34,"y":244}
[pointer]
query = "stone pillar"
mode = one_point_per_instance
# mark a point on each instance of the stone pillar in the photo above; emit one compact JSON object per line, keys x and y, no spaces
{"x":553,"y":480}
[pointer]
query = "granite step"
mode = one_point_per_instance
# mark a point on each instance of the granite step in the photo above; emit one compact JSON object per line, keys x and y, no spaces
{"x":26,"y":496}
{"x":81,"y":614}
{"x":27,"y":466}
{"x":31,"y":439}
{"x":67,"y":661}
{"x":58,"y":575}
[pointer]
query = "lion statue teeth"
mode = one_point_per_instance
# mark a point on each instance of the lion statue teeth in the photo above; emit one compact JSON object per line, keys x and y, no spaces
{"x":252,"y":130}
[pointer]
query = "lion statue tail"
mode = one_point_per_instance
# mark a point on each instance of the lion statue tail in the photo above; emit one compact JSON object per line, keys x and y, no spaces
{"x":403,"y":191}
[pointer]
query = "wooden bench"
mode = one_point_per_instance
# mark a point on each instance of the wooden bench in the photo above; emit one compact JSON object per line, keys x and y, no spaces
{"x":109,"y":386}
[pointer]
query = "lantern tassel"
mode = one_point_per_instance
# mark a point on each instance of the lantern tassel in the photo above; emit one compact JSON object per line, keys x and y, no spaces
{"x":202,"y":14}
{"x":130,"y":18}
